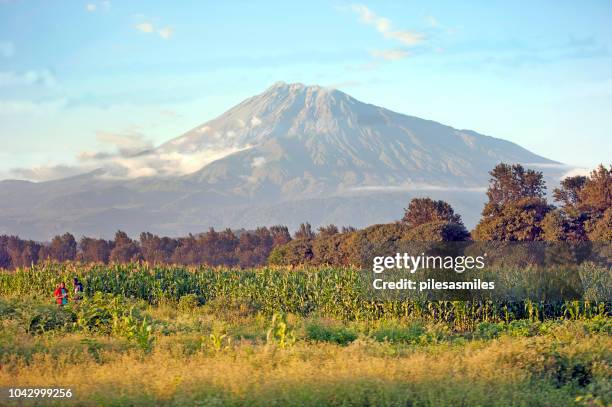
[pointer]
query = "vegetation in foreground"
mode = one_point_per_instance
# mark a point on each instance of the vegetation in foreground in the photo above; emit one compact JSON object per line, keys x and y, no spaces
{"x":229,"y":348}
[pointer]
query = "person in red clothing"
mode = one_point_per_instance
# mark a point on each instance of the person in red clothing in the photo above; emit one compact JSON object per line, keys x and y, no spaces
{"x":61,"y":294}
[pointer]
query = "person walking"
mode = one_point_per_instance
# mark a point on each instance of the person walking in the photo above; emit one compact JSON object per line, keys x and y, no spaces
{"x":77,"y":292}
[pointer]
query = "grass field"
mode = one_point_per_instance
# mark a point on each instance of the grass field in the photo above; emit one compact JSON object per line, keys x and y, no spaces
{"x":172,"y":336}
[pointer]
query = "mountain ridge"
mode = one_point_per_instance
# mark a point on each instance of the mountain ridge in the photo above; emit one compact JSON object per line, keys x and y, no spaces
{"x":293,"y":147}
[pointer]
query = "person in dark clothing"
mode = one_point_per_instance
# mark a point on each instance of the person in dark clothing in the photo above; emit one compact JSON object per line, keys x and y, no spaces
{"x":77,"y":290}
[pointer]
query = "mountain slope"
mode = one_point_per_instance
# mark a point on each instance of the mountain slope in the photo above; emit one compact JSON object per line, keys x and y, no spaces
{"x":292,"y":132}
{"x":293,"y":153}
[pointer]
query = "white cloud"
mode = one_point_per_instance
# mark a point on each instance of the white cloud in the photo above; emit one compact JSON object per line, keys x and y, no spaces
{"x":574,"y":172}
{"x":148,"y":28}
{"x":126,"y":162}
{"x":145,"y":27}
{"x":546,"y":165}
{"x":390,"y":54}
{"x":366,"y":16}
{"x":414,"y":187}
{"x":156,"y":162}
{"x":166,"y":32}
{"x":385,"y":27}
{"x":405,"y":37}
{"x":132,"y":156}
{"x":91,"y":7}
{"x":39,"y":174}
{"x":7,"y":49}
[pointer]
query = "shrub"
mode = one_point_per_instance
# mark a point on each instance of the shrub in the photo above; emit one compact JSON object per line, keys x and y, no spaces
{"x":188,"y":302}
{"x":46,"y":318}
{"x":317,"y":331}
{"x":412,"y":334}
{"x":522,"y":327}
{"x":438,"y":231}
{"x":488,"y":330}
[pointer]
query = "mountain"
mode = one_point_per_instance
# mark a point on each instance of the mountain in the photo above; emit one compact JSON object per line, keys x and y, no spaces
{"x":291,"y":154}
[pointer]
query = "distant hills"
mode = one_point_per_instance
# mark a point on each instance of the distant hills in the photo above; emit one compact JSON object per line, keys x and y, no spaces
{"x":293,"y":153}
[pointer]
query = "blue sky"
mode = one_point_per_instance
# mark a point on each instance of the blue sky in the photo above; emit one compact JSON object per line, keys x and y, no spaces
{"x":80,"y":76}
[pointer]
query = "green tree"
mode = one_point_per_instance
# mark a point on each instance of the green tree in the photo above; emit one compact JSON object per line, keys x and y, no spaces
{"x":298,"y":251}
{"x":515,"y":221}
{"x":304,"y":232}
{"x":596,"y":194}
{"x":601,"y":230}
{"x":438,"y":231}
{"x":568,"y":193}
{"x":125,"y":249}
{"x":62,"y":248}
{"x":94,"y":250}
{"x":425,"y":210}
{"x":328,"y":230}
{"x":516,"y":205}
{"x":511,"y":183}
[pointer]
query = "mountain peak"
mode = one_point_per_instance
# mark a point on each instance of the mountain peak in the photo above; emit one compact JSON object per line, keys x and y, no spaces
{"x":284,"y":88}
{"x":295,"y":86}
{"x":292,"y":146}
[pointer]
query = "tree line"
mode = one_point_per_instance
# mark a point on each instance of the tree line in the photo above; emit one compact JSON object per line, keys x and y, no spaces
{"x":240,"y":248}
{"x":516,"y":210}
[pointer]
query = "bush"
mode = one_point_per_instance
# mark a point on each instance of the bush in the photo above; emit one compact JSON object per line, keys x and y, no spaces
{"x":522,"y":327}
{"x":298,"y":251}
{"x":414,"y":333}
{"x":438,"y":231}
{"x":488,"y":330}
{"x":46,"y":318}
{"x":188,"y":303}
{"x":324,"y":333}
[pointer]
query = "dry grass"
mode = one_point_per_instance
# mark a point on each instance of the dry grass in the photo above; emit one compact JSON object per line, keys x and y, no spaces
{"x":364,"y":372}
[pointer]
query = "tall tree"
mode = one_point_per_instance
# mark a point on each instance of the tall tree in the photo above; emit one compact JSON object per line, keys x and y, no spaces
{"x":23,"y":253}
{"x":280,"y":235}
{"x":304,"y":232}
{"x":515,"y":221}
{"x":568,"y":193}
{"x":62,"y":248}
{"x":596,"y":194}
{"x":94,"y":250}
{"x":125,"y":249}
{"x":516,"y":207}
{"x":328,"y":230}
{"x":425,"y":210}
{"x":157,"y":249}
{"x":511,"y":183}
{"x":5,"y":258}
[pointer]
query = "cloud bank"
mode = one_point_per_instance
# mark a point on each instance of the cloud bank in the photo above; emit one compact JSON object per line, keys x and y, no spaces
{"x":129,"y":155}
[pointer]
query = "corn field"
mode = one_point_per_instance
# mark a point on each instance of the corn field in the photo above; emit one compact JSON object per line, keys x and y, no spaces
{"x":325,"y":291}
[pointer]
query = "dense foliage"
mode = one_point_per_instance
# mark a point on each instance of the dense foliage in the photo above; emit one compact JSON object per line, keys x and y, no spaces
{"x":517,"y":210}
{"x":325,"y":291}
